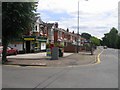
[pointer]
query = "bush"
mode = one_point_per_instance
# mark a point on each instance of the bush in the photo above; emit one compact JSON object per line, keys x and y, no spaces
{"x":48,"y":45}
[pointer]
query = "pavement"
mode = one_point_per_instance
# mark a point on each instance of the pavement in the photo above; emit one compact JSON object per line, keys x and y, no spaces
{"x":40,"y":59}
{"x":103,"y":75}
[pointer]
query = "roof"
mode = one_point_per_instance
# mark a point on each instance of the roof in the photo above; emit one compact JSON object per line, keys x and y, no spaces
{"x":49,"y":25}
{"x":36,"y":18}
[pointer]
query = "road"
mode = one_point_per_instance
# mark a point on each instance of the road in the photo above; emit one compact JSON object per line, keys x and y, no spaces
{"x":102,"y":75}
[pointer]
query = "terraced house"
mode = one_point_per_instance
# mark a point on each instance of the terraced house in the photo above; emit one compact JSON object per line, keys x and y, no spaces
{"x":41,"y":33}
{"x":36,"y":38}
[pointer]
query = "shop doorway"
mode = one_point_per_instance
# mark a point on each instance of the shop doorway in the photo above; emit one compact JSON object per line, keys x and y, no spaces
{"x":27,"y":46}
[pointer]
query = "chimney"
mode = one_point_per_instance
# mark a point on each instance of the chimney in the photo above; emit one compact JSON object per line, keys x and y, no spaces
{"x":67,"y":30}
{"x":73,"y":32}
{"x":56,"y":25}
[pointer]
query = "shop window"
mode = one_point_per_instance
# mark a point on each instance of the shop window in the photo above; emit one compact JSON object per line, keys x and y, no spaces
{"x":36,"y":44}
{"x":43,"y":44}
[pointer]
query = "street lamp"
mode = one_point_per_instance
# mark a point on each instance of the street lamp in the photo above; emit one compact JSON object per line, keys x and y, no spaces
{"x":78,"y":30}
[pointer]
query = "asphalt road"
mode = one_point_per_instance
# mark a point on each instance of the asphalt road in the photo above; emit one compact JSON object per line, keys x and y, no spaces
{"x":102,"y":75}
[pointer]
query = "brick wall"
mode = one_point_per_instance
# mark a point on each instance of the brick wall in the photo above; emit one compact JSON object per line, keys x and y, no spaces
{"x":73,"y":48}
{"x":55,"y":36}
{"x":70,"y":48}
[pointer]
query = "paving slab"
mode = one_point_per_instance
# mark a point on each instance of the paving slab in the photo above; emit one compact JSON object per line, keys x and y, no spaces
{"x":40,"y":59}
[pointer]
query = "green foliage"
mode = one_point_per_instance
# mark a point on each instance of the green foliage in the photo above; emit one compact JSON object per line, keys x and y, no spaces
{"x":118,"y":41}
{"x":95,"y":41}
{"x":86,"y":36}
{"x":58,"y":45}
{"x":111,"y":39}
{"x":17,"y":18}
{"x":48,"y":45}
{"x":87,"y":46}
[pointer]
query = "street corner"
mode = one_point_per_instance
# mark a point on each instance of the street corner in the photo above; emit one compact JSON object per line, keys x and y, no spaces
{"x":67,"y":54}
{"x":65,"y":61}
{"x":25,"y":63}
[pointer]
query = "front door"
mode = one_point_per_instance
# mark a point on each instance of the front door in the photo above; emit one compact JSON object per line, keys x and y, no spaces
{"x":27,"y":46}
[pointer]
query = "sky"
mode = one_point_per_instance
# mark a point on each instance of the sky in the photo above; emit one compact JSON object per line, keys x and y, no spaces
{"x":96,"y":17}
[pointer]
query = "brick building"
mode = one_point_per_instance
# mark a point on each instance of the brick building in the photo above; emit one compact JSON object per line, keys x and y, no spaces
{"x":41,"y":33}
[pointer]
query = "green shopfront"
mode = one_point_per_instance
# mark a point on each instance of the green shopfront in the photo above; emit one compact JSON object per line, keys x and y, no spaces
{"x":28,"y":41}
{"x":41,"y":43}
{"x":34,"y":44}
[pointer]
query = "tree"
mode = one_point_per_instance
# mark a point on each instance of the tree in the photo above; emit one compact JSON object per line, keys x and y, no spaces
{"x":105,"y":40}
{"x":16,"y":19}
{"x":95,"y":41}
{"x":118,"y":41}
{"x":86,"y":36}
{"x":111,"y":39}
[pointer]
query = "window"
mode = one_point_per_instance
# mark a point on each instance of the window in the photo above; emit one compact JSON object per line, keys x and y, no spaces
{"x":43,"y":45}
{"x":36,"y":44}
{"x":59,"y":34}
{"x":36,"y":27}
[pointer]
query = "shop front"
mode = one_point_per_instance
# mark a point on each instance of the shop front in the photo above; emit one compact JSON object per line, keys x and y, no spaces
{"x":41,"y":43}
{"x":29,"y":44}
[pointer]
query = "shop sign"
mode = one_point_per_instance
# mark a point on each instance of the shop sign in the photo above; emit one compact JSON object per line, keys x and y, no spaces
{"x":29,"y":39}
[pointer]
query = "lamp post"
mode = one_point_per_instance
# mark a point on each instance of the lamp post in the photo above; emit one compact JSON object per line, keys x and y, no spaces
{"x":78,"y":30}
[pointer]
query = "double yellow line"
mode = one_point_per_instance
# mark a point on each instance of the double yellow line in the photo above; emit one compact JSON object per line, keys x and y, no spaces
{"x":98,"y":57}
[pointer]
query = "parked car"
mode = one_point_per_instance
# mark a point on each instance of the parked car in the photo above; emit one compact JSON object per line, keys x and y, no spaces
{"x":105,"y":47}
{"x":10,"y":51}
{"x":1,"y":48}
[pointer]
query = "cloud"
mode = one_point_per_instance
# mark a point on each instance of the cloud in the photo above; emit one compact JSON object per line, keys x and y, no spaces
{"x":96,"y":16}
{"x":57,"y":16}
{"x":91,"y":6}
